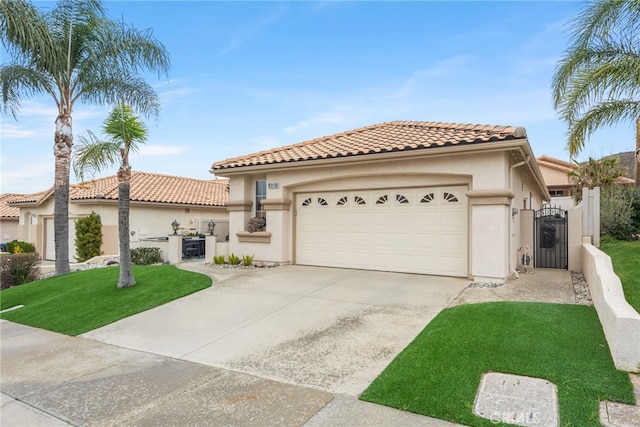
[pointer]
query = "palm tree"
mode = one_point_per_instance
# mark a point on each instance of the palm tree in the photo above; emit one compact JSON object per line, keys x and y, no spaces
{"x":74,"y":53}
{"x":601,"y":173}
{"x":124,"y":131}
{"x":597,"y":82}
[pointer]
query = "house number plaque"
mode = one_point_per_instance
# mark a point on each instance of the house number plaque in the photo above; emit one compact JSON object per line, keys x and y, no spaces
{"x":274,"y":185}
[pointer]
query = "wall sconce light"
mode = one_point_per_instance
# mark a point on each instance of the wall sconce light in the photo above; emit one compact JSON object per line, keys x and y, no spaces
{"x":175,"y":225}
{"x":514,"y":212}
{"x":210,"y":226}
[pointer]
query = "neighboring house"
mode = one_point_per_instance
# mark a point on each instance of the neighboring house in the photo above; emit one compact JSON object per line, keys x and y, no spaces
{"x":561,"y":187}
{"x":556,"y":175}
{"x":155,"y":202}
{"x":406,"y":196}
{"x":9,"y":216}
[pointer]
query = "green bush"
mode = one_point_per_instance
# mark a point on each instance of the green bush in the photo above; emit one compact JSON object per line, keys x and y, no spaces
{"x":18,"y":247}
{"x":218,"y":259}
{"x":88,"y":237}
{"x":18,"y":269}
{"x":619,"y":212}
{"x":234,"y":259}
{"x":247,"y":260}
{"x":146,"y":256}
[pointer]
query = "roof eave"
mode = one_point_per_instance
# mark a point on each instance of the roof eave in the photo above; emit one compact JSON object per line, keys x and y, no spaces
{"x":483,"y":147}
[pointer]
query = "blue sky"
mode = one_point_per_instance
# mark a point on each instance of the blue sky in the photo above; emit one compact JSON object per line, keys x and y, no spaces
{"x":249,"y":76}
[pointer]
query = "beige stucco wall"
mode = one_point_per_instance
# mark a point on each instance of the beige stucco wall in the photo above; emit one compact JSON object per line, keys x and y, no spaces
{"x":494,"y":232}
{"x":554,"y":177}
{"x":8,"y":229}
{"x":145,"y":221}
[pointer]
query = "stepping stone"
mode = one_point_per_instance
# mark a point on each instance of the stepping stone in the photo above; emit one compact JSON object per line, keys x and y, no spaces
{"x":614,"y":414}
{"x":518,"y":400}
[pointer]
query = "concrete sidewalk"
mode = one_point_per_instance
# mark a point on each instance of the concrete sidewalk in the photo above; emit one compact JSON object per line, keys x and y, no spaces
{"x":290,"y":346}
{"x":50,"y":379}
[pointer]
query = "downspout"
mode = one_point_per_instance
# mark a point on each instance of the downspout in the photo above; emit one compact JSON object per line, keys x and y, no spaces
{"x":515,"y":165}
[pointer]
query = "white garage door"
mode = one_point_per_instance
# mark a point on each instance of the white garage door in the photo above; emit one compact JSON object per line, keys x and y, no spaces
{"x":49,"y":244}
{"x":414,"y":230}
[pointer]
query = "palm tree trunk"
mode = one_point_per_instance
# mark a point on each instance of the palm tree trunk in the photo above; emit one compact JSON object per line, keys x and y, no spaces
{"x":63,"y":142}
{"x":636,"y":163}
{"x":124,"y":184}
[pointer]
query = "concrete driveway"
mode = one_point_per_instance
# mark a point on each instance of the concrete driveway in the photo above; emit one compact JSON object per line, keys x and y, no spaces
{"x":325,"y":328}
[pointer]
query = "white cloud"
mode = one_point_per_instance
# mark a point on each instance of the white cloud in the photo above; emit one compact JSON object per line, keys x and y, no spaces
{"x":161,"y":150}
{"x":253,"y":27}
{"x":16,"y":132}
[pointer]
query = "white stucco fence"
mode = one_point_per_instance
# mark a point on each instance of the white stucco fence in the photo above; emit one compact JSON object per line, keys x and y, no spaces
{"x":621,"y":323}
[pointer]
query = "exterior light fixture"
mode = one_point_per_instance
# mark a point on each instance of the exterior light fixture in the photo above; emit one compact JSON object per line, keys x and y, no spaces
{"x":210,"y":226}
{"x":175,"y":225}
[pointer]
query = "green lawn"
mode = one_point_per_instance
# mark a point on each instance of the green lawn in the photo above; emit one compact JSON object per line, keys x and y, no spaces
{"x":85,"y":300}
{"x":439,"y":372}
{"x":625,"y":257}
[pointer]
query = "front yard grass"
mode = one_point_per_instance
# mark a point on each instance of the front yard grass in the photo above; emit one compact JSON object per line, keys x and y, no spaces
{"x":79,"y":302}
{"x":625,"y":257}
{"x":438,"y":374}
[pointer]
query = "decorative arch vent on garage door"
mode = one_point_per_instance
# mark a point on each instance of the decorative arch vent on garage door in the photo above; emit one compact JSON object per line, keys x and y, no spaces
{"x":415,"y":230}
{"x":551,"y":238}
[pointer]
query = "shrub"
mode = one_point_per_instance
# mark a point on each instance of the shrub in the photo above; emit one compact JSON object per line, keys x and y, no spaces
{"x":18,"y":247}
{"x":247,"y":260}
{"x":18,"y":269}
{"x":146,"y":256}
{"x":256,"y":224}
{"x":218,"y":259}
{"x":234,"y":259}
{"x":88,"y":237}
{"x":618,"y":212}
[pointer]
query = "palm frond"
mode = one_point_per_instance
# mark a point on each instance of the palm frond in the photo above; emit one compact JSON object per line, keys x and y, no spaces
{"x":121,"y":87}
{"x":93,"y":155}
{"x":600,"y":115}
{"x":16,"y":81}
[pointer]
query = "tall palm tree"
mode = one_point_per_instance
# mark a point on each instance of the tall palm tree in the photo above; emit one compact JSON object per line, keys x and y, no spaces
{"x":124,"y":133}
{"x":74,"y":53}
{"x":597,"y":82}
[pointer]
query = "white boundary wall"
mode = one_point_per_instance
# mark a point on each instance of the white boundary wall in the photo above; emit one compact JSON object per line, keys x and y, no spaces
{"x":621,"y":323}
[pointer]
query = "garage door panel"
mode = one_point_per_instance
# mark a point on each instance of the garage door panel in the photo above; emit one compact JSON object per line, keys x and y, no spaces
{"x":410,"y":230}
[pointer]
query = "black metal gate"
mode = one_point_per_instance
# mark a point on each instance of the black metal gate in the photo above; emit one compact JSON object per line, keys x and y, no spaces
{"x":551,"y":238}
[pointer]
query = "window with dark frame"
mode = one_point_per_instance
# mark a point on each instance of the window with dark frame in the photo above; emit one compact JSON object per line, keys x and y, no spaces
{"x":261,"y":194}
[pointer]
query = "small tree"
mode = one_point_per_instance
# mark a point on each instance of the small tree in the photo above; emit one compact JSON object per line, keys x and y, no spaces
{"x":88,"y":237}
{"x":601,"y":173}
{"x":619,"y":212}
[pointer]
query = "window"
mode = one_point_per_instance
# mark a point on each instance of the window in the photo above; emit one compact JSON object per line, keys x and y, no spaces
{"x":428,"y":198}
{"x":450,"y":197}
{"x":322,"y":202}
{"x":359,"y":200}
{"x":556,"y":193}
{"x":400,"y":198}
{"x":382,"y":200}
{"x":307,"y":201}
{"x":261,"y":194}
{"x":343,"y":201}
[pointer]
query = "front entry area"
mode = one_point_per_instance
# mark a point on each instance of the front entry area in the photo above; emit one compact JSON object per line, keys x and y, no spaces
{"x":551,"y":238}
{"x":410,"y":230}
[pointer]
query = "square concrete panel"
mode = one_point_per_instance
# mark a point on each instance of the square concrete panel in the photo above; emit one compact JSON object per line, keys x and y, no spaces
{"x":517,"y":400}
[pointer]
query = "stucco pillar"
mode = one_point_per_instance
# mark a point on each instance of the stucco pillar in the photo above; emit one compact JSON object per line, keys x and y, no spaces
{"x":210,"y":247}
{"x":526,"y":237}
{"x":174,"y":252}
{"x":490,"y":234}
{"x":239,"y":212}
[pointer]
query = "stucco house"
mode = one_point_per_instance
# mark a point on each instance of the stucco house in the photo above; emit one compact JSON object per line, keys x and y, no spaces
{"x":405,"y":196}
{"x":9,"y":216}
{"x":156,"y":200}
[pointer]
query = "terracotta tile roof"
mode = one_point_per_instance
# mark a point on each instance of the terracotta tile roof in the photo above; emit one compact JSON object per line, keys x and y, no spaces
{"x":381,"y":138}
{"x":7,"y":211}
{"x":557,"y":164}
{"x":145,"y":187}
